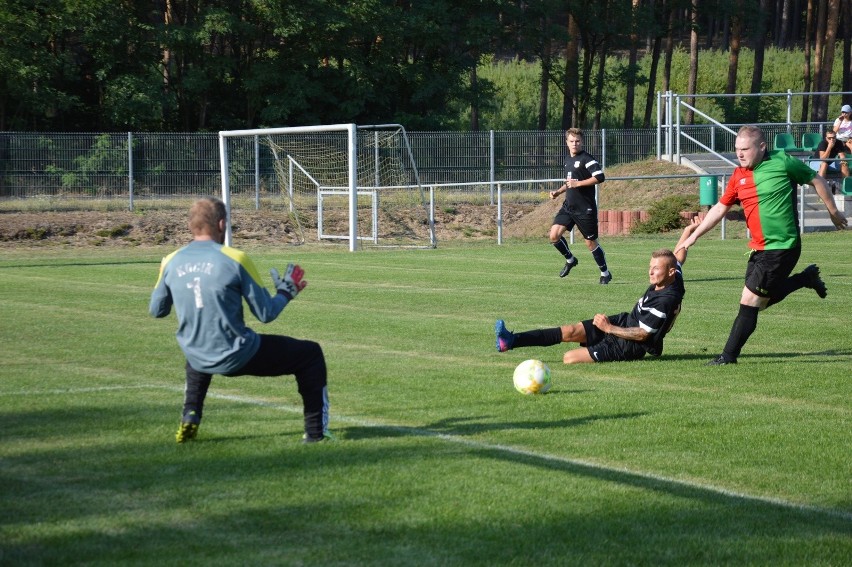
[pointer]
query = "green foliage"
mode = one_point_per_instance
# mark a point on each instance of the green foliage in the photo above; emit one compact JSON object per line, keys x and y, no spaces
{"x":101,"y":65}
{"x":105,"y":158}
{"x":516,"y":84}
{"x":665,"y":214}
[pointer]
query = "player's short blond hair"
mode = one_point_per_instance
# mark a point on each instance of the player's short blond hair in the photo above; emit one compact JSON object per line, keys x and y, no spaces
{"x":666,"y":254}
{"x":205,"y":214}
{"x":576,"y":132}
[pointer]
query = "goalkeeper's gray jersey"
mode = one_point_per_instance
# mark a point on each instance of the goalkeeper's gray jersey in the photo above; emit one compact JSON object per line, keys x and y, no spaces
{"x":206,"y":282}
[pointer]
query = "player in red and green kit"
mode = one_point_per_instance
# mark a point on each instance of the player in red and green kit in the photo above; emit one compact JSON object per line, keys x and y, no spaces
{"x":765,"y":186}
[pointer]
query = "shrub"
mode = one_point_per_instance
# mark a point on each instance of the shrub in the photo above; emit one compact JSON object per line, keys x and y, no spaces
{"x":665,"y":214}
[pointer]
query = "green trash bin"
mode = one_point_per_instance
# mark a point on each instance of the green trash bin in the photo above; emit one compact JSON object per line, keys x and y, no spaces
{"x":708,"y":190}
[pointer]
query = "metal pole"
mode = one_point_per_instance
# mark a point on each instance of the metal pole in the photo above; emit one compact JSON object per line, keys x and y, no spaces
{"x":130,"y":168}
{"x":491,"y":163}
{"x":378,"y":180}
{"x":789,"y":111}
{"x":290,"y":191}
{"x":432,"y":214}
{"x":677,"y":128}
{"x":226,"y":190}
{"x":659,"y":127}
{"x":256,"y":174}
{"x":353,"y":188}
{"x":499,"y":213}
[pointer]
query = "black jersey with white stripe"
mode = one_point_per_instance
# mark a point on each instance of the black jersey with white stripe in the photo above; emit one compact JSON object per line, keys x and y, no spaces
{"x":656,"y":312}
{"x":581,"y":167}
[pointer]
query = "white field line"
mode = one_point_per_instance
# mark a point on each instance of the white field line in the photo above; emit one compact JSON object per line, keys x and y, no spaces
{"x":576,"y":463}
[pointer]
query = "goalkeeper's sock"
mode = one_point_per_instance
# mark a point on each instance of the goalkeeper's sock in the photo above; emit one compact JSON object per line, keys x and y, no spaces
{"x":744,"y":325}
{"x":195,"y":391}
{"x":538,"y":337}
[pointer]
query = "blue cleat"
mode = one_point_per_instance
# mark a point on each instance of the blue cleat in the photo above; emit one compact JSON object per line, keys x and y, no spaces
{"x":505,"y":338}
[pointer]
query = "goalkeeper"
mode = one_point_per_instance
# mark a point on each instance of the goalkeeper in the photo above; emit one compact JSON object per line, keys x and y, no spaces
{"x":206,"y":283}
{"x":626,"y":336}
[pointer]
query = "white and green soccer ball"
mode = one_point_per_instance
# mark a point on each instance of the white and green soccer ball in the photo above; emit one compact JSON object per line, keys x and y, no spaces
{"x":532,"y":377}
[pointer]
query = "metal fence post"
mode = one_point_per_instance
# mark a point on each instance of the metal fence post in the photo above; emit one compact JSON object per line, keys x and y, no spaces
{"x":499,"y":214}
{"x":491,"y":163}
{"x":659,"y":126}
{"x":130,"y":169}
{"x":256,"y":173}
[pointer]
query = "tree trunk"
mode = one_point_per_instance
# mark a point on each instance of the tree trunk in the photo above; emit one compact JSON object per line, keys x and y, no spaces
{"x":819,"y":111}
{"x":734,"y":58}
{"x":847,"y":46}
{"x":474,"y":106}
{"x":693,"y":60}
{"x":572,"y":66}
{"x":667,"y":66}
{"x":632,"y":67}
{"x":832,"y":20}
{"x":544,"y":85}
{"x":806,"y":82}
{"x":760,"y":25}
{"x":784,"y":25}
{"x":601,"y":74}
{"x":652,"y":82}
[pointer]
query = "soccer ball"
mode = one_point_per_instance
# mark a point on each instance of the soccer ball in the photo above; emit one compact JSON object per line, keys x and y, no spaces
{"x":532,"y":377}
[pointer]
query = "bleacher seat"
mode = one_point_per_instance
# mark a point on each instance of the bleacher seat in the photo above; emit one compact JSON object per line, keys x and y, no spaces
{"x":810,"y":141}
{"x":785,"y":142}
{"x":846,"y":186}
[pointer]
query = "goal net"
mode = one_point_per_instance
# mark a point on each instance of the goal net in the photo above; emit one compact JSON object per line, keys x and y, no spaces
{"x":345,"y":182}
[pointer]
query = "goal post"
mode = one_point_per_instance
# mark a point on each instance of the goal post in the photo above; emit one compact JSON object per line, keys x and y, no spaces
{"x":348,"y":182}
{"x":350,"y":130}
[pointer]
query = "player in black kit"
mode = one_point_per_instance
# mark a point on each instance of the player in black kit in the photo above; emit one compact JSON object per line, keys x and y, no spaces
{"x":626,"y":336}
{"x":582,"y":173}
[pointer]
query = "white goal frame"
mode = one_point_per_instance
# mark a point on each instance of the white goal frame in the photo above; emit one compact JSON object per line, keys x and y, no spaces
{"x":352,"y":147}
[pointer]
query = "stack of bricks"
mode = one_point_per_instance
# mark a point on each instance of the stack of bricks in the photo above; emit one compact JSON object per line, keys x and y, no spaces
{"x":619,"y":222}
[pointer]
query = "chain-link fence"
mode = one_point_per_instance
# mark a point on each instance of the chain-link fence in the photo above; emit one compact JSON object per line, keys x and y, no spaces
{"x":86,"y":170}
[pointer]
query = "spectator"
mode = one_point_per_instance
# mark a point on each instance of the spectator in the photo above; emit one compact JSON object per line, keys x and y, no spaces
{"x":830,"y":148}
{"x":843,"y":126}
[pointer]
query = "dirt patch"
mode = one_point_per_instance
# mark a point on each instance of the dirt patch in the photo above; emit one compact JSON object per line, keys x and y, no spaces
{"x":169,"y":228}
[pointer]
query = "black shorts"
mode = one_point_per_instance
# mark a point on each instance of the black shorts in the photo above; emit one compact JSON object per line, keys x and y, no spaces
{"x":604,"y":347}
{"x":767,"y":269}
{"x":586,"y":220}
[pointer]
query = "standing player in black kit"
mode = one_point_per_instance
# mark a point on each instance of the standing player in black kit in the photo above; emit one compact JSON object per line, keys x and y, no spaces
{"x":582,"y":173}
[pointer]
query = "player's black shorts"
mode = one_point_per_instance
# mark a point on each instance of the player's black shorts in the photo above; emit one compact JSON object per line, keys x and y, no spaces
{"x":608,"y":348}
{"x":767,"y":269}
{"x":586,"y":220}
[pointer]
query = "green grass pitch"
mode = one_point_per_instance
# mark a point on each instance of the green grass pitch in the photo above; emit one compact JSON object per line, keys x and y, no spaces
{"x":438,"y":460}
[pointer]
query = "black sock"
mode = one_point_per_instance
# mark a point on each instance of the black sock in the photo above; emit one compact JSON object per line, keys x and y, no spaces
{"x":197,"y":384}
{"x":600,"y":258}
{"x":744,"y":326}
{"x":562,"y":246}
{"x":538,"y":337}
{"x":791,"y":284}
